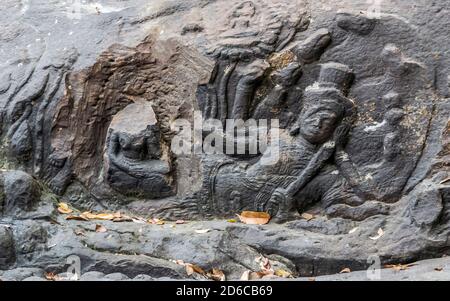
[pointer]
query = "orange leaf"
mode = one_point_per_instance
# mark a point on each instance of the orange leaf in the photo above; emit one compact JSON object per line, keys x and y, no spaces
{"x":254,"y":218}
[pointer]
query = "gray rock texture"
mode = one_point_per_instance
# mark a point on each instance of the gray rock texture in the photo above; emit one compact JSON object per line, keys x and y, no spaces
{"x":98,"y":97}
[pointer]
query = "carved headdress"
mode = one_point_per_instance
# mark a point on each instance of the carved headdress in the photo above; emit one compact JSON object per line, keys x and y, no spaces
{"x":330,"y":90}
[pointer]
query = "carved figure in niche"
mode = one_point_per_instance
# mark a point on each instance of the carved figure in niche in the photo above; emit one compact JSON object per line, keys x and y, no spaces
{"x":136,"y":159}
{"x":302,"y":153}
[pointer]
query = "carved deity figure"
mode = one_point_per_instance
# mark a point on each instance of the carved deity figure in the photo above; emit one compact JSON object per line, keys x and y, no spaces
{"x":136,"y":163}
{"x":302,"y":153}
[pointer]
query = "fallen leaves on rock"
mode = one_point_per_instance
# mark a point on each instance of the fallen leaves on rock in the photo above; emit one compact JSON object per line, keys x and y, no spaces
{"x":399,"y":267}
{"x":51,"y":276}
{"x":63,"y":208}
{"x":202,"y":231}
{"x":156,"y":221}
{"x":379,"y":234}
{"x":307,"y":216}
{"x":254,"y":217}
{"x":119,"y":217}
{"x":232,"y":220}
{"x":87,"y":216}
{"x":100,"y":228}
{"x":216,"y":275}
{"x":264,"y":263}
{"x":100,"y":216}
{"x":345,"y":270}
{"x":250,"y":275}
{"x":266,"y":271}
{"x":76,"y":218}
{"x":192,"y":269}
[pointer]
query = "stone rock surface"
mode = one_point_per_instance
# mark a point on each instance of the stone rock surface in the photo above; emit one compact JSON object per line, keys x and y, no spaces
{"x":20,"y":193}
{"x":97,"y":99}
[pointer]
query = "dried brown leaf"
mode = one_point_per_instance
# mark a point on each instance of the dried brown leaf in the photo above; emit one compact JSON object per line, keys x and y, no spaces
{"x":76,"y":218}
{"x":307,"y":216}
{"x":192,"y":268}
{"x":345,"y":270}
{"x":254,"y":217}
{"x":216,"y":275}
{"x":63,"y":208}
{"x":399,"y":267}
{"x":51,"y":276}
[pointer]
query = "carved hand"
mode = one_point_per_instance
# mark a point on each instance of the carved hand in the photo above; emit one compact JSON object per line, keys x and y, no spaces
{"x":341,"y":135}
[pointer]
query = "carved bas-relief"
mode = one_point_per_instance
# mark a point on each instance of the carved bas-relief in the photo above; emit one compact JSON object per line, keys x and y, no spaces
{"x":136,"y":161}
{"x":301,"y":153}
{"x":352,"y":134}
{"x":331,"y":123}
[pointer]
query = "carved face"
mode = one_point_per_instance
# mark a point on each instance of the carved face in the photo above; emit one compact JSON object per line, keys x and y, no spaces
{"x":129,"y":142}
{"x":318,"y":124}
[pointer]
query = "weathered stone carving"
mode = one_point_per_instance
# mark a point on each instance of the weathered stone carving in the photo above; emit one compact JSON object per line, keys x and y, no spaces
{"x":134,"y":154}
{"x":361,"y":100}
{"x":302,"y":157}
